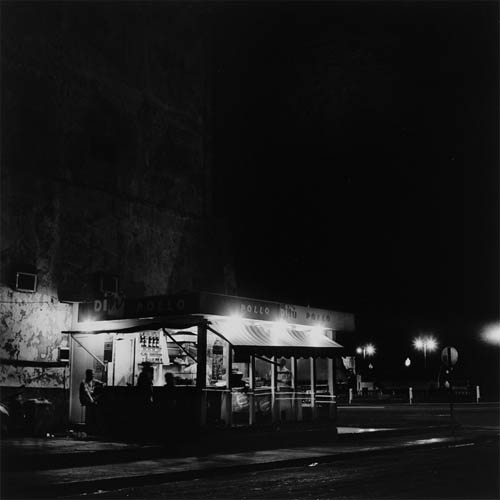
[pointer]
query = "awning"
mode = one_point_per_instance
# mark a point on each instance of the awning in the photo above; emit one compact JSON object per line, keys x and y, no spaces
{"x":137,"y":325}
{"x":275,"y":340}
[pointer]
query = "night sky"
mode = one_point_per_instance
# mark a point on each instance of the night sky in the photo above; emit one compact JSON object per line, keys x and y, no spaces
{"x":356,"y":151}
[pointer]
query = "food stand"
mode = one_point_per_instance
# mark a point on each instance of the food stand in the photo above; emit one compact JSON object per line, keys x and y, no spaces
{"x":229,"y":361}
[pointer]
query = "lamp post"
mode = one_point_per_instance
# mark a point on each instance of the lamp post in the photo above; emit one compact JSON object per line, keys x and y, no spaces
{"x":366,"y":350}
{"x":425,"y":344}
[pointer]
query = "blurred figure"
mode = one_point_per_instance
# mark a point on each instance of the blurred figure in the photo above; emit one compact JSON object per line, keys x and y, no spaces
{"x":145,"y":384}
{"x":284,"y":375}
{"x":89,"y":396}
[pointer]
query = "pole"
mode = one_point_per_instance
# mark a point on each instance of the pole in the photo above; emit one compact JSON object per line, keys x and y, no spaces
{"x":449,"y":371}
{"x":314,"y":410}
{"x":201,"y":372}
{"x":274,"y":381}
{"x":251,"y":394}
{"x":410,"y":394}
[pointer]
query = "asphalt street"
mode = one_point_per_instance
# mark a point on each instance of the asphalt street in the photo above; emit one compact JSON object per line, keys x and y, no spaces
{"x":418,"y":455}
{"x":485,"y":415}
{"x":460,"y":471}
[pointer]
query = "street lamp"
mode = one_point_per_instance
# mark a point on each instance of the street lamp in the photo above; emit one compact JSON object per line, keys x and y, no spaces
{"x":366,"y":350}
{"x":425,"y":344}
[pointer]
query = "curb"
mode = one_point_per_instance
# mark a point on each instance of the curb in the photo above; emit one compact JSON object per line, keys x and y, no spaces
{"x":289,"y":439}
{"x":78,"y":487}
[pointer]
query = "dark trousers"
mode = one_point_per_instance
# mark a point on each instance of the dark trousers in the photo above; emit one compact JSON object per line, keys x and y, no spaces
{"x":91,"y":417}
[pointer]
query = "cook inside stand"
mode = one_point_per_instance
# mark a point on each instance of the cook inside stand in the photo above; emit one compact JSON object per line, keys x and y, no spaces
{"x":284,"y":375}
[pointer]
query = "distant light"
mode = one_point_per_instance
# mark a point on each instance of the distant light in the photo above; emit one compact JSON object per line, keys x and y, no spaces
{"x":359,"y":350}
{"x":370,"y":350}
{"x":419,"y":343}
{"x":407,"y":362}
{"x":431,"y":343}
{"x":491,"y":334}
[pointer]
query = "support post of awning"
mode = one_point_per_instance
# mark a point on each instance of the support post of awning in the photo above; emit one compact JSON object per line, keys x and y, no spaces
{"x":201,"y":373}
{"x":332,"y":408}
{"x":313,"y":387}
{"x":297,"y":399}
{"x":251,"y":393}
{"x":274,"y":379}
{"x":227,"y":396}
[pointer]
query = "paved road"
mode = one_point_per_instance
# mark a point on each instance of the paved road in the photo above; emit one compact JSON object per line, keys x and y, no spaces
{"x":482,"y":415}
{"x":465,"y":471}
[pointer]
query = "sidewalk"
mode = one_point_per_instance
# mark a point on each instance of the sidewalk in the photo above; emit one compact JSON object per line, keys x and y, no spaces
{"x":121,"y":465}
{"x":45,"y":453}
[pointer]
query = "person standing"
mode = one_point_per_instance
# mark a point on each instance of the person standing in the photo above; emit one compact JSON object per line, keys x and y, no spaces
{"x":145,"y":383}
{"x":89,"y":388}
{"x":284,"y":375}
{"x":144,"y":408}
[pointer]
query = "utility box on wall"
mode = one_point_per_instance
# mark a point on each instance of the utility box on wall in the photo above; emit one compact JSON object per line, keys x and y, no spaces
{"x":64,"y":354}
{"x":25,"y":282}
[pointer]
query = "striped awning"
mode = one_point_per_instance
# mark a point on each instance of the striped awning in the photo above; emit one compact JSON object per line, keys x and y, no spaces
{"x":275,"y":340}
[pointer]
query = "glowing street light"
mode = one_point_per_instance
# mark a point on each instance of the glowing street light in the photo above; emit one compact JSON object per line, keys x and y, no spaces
{"x":425,"y":344}
{"x":491,"y":334}
{"x":366,"y":350}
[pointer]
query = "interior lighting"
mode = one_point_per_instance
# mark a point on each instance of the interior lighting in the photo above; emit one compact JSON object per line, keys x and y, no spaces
{"x":317,"y":330}
{"x":279,"y":326}
{"x":87,"y":325}
{"x":235,"y":321}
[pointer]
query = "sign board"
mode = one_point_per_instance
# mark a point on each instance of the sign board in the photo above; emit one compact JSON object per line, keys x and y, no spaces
{"x":118,"y":307}
{"x":449,"y":356}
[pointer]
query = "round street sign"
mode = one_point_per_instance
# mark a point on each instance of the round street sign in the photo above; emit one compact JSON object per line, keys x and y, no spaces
{"x":449,"y":356}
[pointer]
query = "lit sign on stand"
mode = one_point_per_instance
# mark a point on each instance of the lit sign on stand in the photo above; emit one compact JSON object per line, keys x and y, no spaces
{"x":212,"y":304}
{"x":102,"y":309}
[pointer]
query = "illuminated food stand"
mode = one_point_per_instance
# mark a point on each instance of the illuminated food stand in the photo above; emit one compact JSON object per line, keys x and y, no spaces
{"x":232,"y":361}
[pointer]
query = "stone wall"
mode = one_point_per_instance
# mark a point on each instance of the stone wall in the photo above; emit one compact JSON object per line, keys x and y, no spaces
{"x":106,"y":164}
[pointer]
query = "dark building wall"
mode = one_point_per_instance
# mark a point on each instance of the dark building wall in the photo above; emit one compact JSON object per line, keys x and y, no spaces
{"x":106,"y":163}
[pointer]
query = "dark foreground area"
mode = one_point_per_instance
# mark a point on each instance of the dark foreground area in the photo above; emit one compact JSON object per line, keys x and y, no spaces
{"x":456,"y":472}
{"x":388,"y":451}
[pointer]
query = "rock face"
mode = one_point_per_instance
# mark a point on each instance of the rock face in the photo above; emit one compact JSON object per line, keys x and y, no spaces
{"x":106,"y":165}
